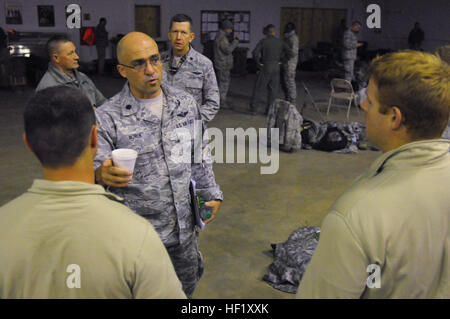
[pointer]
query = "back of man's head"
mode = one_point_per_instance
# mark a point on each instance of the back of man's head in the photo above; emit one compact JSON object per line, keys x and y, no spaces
{"x":226,"y":24}
{"x":54,"y":42}
{"x":58,"y":122}
{"x":180,"y":17}
{"x":102,"y":20}
{"x":418,"y":84}
{"x":289,"y":27}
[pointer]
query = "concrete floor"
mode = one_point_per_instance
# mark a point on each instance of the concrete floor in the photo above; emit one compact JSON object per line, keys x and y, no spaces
{"x":258,"y":209}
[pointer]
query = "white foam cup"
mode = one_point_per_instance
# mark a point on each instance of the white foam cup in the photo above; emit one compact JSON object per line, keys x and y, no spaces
{"x":124,"y":158}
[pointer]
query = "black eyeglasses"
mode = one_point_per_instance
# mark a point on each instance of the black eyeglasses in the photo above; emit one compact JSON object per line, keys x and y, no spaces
{"x":140,"y":65}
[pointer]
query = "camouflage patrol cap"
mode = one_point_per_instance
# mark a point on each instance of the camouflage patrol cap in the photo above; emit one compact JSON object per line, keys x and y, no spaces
{"x":226,"y":24}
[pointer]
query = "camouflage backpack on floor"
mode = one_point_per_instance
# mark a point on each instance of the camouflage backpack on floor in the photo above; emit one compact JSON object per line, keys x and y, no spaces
{"x":284,"y":116}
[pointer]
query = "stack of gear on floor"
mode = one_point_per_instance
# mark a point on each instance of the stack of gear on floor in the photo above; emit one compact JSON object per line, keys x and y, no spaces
{"x":296,"y":132}
{"x":338,"y":137}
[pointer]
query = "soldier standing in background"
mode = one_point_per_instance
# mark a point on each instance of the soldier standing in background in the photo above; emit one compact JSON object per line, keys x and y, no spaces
{"x":223,"y":59}
{"x":416,"y":37}
{"x":188,"y":70}
{"x":290,"y":66}
{"x":5,"y":61}
{"x":268,"y":54}
{"x":101,"y":42}
{"x":62,"y":70}
{"x":350,"y":45}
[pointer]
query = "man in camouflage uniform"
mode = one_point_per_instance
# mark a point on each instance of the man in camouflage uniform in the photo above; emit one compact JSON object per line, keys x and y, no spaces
{"x":159,"y":123}
{"x":188,"y":70}
{"x":62,"y":70}
{"x":268,"y":54}
{"x":223,"y":59}
{"x":290,"y":66}
{"x":349,"y":49}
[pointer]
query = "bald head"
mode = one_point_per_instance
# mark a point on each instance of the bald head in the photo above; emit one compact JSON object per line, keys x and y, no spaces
{"x":133,"y":43}
{"x":140,"y":63}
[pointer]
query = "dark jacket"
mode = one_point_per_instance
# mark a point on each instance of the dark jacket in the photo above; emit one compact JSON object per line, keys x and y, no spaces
{"x":55,"y":77}
{"x":271,"y":50}
{"x":101,"y":36}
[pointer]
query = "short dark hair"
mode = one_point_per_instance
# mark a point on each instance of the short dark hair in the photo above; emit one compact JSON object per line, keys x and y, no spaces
{"x":103,"y":19}
{"x":226,"y":24}
{"x":58,"y":121}
{"x":54,"y":42}
{"x":270,"y":28}
{"x":356,"y":22}
{"x":180,"y":17}
{"x":289,"y":27}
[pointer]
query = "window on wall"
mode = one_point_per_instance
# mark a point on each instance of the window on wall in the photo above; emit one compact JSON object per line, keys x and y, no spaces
{"x":210,"y":22}
{"x":147,"y":19}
